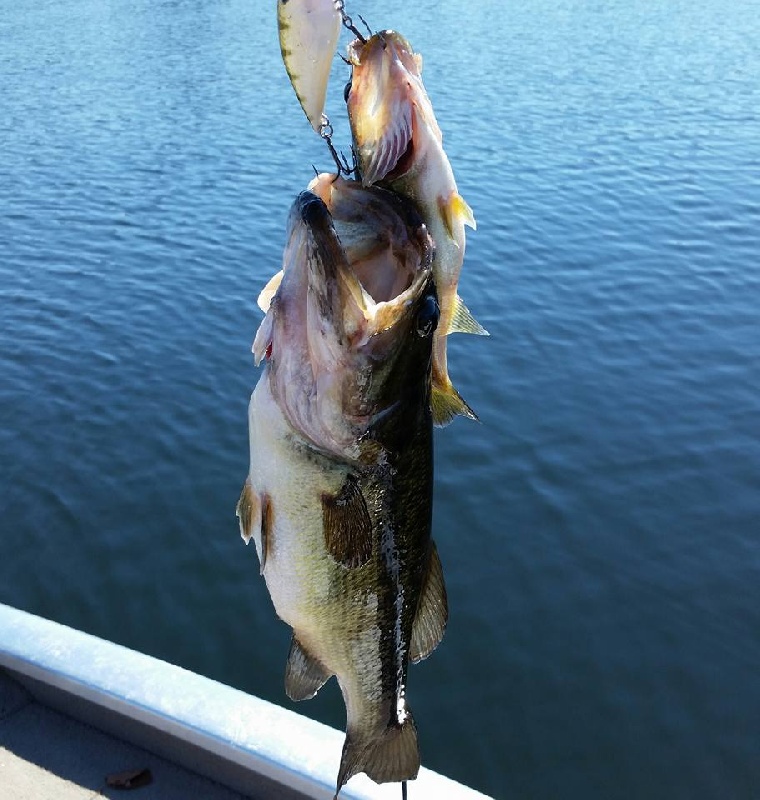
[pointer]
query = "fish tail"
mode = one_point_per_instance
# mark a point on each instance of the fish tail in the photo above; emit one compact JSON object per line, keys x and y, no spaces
{"x":392,"y":757}
{"x":447,"y":403}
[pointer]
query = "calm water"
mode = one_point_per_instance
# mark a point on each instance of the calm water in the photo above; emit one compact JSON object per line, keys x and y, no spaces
{"x":600,"y":530}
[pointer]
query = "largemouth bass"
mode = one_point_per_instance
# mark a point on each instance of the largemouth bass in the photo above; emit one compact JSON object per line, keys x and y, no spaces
{"x":339,"y":495}
{"x":399,"y":144}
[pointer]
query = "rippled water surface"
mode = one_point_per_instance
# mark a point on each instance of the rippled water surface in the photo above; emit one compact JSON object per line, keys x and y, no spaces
{"x":599,"y":529}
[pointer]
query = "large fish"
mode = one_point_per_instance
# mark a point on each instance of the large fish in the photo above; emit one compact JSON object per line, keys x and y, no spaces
{"x":339,"y":496}
{"x":399,"y":144}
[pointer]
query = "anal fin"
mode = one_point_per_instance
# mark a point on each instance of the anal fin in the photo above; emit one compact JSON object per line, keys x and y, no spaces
{"x":304,"y":675}
{"x":462,"y":320}
{"x":432,"y":610}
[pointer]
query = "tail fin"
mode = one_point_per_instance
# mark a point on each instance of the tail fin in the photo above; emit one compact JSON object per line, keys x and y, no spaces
{"x":446,"y":403}
{"x":391,"y":757}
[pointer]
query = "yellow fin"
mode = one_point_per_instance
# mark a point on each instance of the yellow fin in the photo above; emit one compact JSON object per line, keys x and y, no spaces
{"x":462,"y":320}
{"x":463,"y":211}
{"x":446,"y":403}
{"x":454,"y":209}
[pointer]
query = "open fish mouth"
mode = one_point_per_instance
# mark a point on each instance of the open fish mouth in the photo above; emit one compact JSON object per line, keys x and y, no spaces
{"x":386,"y":253}
{"x":355,"y":290}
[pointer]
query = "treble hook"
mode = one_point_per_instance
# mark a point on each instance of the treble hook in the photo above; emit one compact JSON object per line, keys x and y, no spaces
{"x":347,"y":21}
{"x":326,"y":132}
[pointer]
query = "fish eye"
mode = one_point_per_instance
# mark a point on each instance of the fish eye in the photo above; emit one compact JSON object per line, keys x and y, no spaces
{"x":427,"y":316}
{"x":346,"y":91}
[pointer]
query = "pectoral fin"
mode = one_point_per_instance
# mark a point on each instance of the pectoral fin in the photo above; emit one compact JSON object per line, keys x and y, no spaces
{"x":462,"y":320}
{"x":256,"y":515}
{"x":269,"y":291}
{"x":347,"y":525}
{"x":453,"y":210}
{"x":304,"y":675}
{"x":248,"y":511}
{"x":432,"y":611}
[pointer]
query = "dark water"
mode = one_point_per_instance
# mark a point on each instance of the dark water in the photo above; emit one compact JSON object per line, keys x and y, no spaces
{"x":599,"y":530}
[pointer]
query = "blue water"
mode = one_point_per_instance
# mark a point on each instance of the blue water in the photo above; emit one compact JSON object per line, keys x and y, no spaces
{"x":599,"y":530}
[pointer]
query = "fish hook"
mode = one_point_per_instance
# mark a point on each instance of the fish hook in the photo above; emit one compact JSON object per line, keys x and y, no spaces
{"x":326,"y":132}
{"x":348,"y":22}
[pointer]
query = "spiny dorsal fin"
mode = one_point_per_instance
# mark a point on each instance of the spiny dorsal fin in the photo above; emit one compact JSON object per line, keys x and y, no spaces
{"x":462,"y":320}
{"x":304,"y":675}
{"x":248,"y":511}
{"x":446,"y":403}
{"x":432,"y":611}
{"x":347,"y":525}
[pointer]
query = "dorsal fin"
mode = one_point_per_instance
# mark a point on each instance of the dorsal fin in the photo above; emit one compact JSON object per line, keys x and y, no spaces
{"x":432,"y":610}
{"x":304,"y":675}
{"x":347,"y":525}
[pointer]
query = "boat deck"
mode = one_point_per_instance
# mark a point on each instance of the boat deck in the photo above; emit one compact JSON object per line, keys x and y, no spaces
{"x":47,"y":755}
{"x":75,"y":709}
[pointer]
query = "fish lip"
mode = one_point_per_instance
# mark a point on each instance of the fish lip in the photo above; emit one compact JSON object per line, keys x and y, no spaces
{"x":318,"y":220}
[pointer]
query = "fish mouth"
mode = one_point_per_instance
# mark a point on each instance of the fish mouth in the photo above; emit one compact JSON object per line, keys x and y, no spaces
{"x":357,"y":268}
{"x":375,"y":255}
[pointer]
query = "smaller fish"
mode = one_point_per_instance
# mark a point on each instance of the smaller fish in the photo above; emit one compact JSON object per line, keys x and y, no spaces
{"x":309,"y":31}
{"x":400,"y":146}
